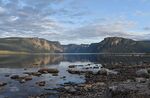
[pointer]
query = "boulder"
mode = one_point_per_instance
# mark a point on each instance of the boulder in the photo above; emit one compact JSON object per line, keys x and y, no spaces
{"x":140,"y":80}
{"x":22,"y":81}
{"x":105,"y":71}
{"x":33,"y":73}
{"x":15,"y":77}
{"x":2,"y":84}
{"x":27,"y":78}
{"x":70,"y":89}
{"x":142,"y":72}
{"x":48,"y":70}
{"x":41,"y":83}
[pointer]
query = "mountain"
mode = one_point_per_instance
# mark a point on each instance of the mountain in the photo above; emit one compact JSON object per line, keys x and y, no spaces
{"x":108,"y":45}
{"x":32,"y":45}
{"x":73,"y":48}
{"x":121,"y":45}
{"x":112,"y":45}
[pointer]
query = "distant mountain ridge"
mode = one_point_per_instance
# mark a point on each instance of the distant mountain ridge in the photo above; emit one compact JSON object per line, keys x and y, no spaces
{"x":32,"y":45}
{"x":112,"y":45}
{"x":108,"y":45}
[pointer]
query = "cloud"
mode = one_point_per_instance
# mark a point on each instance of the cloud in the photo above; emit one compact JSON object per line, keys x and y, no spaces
{"x":68,"y":21}
{"x":146,"y":28}
{"x":142,"y":13}
{"x":28,"y":18}
{"x":35,"y":18}
{"x":2,"y":10}
{"x":104,"y":29}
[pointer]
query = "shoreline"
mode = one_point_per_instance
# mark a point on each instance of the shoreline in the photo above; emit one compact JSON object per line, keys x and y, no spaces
{"x":5,"y":52}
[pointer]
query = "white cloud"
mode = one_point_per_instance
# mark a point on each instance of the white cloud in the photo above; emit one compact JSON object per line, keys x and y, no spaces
{"x":2,"y":10}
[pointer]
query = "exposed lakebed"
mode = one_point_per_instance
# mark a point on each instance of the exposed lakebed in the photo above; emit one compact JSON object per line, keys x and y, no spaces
{"x":52,"y":83}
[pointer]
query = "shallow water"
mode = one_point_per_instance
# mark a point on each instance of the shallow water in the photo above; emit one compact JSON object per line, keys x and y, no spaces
{"x":17,"y":64}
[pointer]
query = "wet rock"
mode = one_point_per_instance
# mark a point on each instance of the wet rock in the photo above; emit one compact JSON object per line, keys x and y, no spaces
{"x":70,"y":89}
{"x":41,"y":83}
{"x":25,"y":68}
{"x":33,"y":73}
{"x":105,"y":71}
{"x":140,"y":80}
{"x":7,"y":75}
{"x":15,"y":77}
{"x":118,"y":90}
{"x":113,"y":88}
{"x":48,"y":70}
{"x":27,"y":78}
{"x":81,"y":85}
{"x":63,"y":77}
{"x":100,"y":84}
{"x":148,"y":70}
{"x":54,"y":74}
{"x":2,"y":84}
{"x":87,"y":87}
{"x":142,"y":72}
{"x":72,"y":66}
{"x":22,"y":81}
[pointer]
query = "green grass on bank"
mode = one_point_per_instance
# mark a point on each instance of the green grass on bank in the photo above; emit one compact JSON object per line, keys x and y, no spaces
{"x":2,"y":52}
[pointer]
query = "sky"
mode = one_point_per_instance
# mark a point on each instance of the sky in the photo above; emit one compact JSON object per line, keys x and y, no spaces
{"x":75,"y":21}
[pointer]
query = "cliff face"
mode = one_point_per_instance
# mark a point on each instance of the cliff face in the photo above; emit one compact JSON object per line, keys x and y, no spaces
{"x":122,"y":45}
{"x":108,"y":45}
{"x":30,"y":45}
{"x":116,"y":45}
{"x":112,"y":45}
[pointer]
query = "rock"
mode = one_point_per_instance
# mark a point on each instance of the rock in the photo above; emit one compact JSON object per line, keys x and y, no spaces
{"x":105,"y":71}
{"x":2,"y":84}
{"x":100,"y":84}
{"x":142,"y":72}
{"x":140,"y":80}
{"x":42,"y":83}
{"x":70,"y":89}
{"x":87,"y":87}
{"x":118,"y":90}
{"x":48,"y":70}
{"x":33,"y":73}
{"x":22,"y":81}
{"x":7,"y":75}
{"x":81,"y":85}
{"x":63,"y":77}
{"x":113,"y":88}
{"x":15,"y":77}
{"x":27,"y":78}
{"x":148,"y":70}
{"x":54,"y":74}
{"x":72,"y":66}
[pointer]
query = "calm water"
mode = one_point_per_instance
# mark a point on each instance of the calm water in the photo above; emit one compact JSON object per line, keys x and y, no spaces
{"x":15,"y":64}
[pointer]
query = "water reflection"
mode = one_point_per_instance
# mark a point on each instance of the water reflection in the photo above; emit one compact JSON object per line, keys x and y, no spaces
{"x":15,"y":64}
{"x":31,"y":61}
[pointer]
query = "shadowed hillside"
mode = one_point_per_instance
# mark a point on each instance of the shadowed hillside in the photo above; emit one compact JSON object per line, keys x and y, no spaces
{"x":32,"y":45}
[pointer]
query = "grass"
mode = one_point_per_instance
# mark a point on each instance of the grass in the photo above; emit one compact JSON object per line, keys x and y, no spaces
{"x":2,"y":52}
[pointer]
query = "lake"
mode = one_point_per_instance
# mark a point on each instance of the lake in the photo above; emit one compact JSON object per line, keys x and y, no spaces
{"x":18,"y":64}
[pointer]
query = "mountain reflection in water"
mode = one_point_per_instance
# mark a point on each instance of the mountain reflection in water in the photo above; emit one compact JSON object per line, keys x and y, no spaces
{"x":31,"y":61}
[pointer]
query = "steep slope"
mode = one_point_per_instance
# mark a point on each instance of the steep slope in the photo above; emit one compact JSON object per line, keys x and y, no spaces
{"x":120,"y":45}
{"x":108,"y":45}
{"x":73,"y":48}
{"x":111,"y":45}
{"x":29,"y":45}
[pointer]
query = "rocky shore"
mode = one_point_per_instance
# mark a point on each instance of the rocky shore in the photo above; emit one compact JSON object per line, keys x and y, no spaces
{"x":112,"y":81}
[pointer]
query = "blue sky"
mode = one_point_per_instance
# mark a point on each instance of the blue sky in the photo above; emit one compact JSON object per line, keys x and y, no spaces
{"x":75,"y":21}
